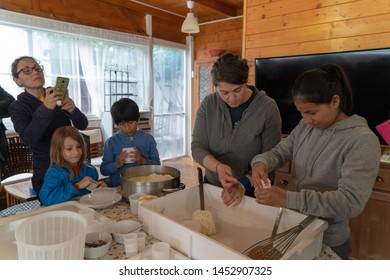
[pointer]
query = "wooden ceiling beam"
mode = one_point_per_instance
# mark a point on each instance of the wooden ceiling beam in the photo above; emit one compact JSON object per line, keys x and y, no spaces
{"x":218,"y":6}
{"x":144,"y":9}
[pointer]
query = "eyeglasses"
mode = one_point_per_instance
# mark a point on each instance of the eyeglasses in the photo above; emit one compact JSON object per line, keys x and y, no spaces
{"x":29,"y":70}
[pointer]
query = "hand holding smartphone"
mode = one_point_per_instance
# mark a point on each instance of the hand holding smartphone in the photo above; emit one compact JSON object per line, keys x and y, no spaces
{"x":61,"y":87}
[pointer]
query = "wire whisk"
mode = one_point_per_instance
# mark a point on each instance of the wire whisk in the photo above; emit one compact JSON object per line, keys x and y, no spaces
{"x":275,"y":248}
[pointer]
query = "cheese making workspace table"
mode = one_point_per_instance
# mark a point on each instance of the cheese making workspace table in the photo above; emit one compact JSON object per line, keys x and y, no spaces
{"x":117,"y":212}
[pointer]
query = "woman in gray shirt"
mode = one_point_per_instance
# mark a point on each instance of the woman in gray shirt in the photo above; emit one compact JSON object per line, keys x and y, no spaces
{"x":232,"y":125}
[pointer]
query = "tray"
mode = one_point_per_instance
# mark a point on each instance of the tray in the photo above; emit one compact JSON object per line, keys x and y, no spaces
{"x":237,"y":227}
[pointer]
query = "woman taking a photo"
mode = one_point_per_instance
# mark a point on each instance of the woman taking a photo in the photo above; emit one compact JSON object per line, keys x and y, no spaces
{"x":36,"y":115}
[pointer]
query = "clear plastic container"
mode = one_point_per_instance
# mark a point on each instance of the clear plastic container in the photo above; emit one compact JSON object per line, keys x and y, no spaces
{"x":55,"y":235}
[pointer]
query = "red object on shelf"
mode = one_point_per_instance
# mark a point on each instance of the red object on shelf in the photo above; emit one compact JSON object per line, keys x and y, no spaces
{"x":384,"y":131}
{"x":216,"y":52}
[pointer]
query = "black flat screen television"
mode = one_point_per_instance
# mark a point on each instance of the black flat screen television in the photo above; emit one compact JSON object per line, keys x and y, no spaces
{"x":368,"y":72}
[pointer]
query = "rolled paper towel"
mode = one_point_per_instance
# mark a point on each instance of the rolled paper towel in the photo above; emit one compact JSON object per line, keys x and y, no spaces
{"x":206,"y":220}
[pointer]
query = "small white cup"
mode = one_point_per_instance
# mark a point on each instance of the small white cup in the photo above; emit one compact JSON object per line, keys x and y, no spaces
{"x":133,"y":199}
{"x":161,"y":251}
{"x":141,"y":238}
{"x":130,"y":241}
{"x":130,"y":157}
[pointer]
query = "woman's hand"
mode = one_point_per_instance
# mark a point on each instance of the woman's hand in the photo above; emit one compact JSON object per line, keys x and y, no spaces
{"x":225,"y":175}
{"x":50,"y":98}
{"x":68,"y":104}
{"x":273,"y":196}
{"x":259,"y":175}
{"x":233,"y":195}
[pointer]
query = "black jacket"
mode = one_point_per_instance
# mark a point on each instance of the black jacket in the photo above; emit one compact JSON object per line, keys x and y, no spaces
{"x":5,"y":100}
{"x":36,"y":124}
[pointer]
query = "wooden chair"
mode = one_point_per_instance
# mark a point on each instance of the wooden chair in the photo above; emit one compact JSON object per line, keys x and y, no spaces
{"x":16,"y":174}
{"x":87,"y":146}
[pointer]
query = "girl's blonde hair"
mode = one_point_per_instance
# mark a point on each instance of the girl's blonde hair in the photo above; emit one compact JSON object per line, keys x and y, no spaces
{"x":57,"y":146}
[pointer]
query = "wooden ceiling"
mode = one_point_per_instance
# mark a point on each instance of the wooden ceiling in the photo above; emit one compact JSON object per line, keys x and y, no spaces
{"x":204,"y":10}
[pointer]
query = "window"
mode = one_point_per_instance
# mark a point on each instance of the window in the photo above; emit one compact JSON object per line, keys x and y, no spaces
{"x":169,"y":100}
{"x":83,"y":53}
{"x":78,"y":52}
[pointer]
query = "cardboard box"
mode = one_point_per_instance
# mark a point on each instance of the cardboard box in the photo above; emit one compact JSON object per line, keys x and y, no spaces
{"x":237,"y":227}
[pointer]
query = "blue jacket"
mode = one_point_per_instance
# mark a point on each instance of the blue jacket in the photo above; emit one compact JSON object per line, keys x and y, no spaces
{"x":58,"y":187}
{"x":143,"y":141}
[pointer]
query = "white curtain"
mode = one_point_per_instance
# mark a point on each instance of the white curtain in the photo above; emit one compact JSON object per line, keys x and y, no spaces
{"x":62,"y":47}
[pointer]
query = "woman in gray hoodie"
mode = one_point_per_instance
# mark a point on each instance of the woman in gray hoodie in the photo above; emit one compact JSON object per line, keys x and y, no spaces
{"x":335,"y":157}
{"x":233,"y":125}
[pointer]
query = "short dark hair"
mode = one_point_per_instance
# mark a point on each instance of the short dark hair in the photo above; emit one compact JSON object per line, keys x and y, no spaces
{"x":124,"y":110}
{"x":230,"y":68}
{"x":319,"y":85}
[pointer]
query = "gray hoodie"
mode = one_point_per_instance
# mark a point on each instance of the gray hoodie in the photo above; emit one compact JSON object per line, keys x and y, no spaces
{"x":333,"y":171}
{"x":258,"y":131}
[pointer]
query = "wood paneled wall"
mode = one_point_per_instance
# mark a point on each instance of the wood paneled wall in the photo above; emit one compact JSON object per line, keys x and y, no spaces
{"x":105,"y":14}
{"x":289,"y":27}
{"x":225,"y":35}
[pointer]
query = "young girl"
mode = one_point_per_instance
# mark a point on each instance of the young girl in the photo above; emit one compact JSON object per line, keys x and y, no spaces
{"x":69,"y":174}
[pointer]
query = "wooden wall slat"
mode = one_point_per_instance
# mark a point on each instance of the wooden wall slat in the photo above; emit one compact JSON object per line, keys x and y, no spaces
{"x":275,"y":28}
{"x":285,"y":7}
{"x":221,"y":35}
{"x":321,"y":32}
{"x":312,"y":17}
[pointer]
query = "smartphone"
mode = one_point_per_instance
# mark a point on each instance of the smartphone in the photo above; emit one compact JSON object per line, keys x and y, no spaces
{"x":61,"y":87}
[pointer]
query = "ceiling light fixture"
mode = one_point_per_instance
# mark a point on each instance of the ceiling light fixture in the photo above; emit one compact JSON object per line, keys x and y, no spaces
{"x":190,"y":24}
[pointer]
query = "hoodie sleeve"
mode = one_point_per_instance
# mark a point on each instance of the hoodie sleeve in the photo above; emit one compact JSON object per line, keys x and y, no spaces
{"x":358,"y":173}
{"x":200,"y":141}
{"x":57,"y":188}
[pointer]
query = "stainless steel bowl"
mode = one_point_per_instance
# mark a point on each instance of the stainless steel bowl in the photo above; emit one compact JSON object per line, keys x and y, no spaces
{"x":154,"y":188}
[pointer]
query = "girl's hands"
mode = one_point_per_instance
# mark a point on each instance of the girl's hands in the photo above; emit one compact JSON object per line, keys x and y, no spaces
{"x":85,"y":182}
{"x":101,"y":184}
{"x":264,"y":193}
{"x":259,"y":175}
{"x":273,"y":196}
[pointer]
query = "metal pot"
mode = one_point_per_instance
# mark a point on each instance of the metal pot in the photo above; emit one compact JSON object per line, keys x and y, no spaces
{"x":153,"y":188}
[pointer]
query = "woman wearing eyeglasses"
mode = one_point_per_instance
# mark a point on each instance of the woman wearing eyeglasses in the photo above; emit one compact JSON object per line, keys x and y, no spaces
{"x":36,"y":115}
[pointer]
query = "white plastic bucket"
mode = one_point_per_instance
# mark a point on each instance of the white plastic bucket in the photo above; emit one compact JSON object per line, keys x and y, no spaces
{"x":55,"y":235}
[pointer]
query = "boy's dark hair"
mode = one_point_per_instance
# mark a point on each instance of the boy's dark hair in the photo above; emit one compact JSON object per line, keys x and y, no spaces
{"x":124,"y":110}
